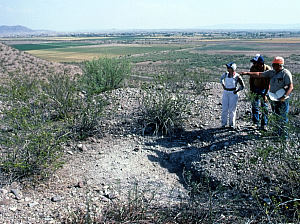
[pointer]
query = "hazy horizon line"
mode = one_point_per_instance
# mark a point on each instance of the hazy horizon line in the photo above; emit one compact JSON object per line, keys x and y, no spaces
{"x":217,"y":27}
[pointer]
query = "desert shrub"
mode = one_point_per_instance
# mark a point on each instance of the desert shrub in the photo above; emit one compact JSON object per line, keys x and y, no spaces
{"x":295,"y":96}
{"x":198,"y":81}
{"x":65,"y":101}
{"x":180,"y":78}
{"x":139,"y":207}
{"x":30,"y":154}
{"x":32,"y":144}
{"x":104,"y":74}
{"x":134,"y":209}
{"x":38,"y":117}
{"x":20,"y":88}
{"x":84,"y":121}
{"x":163,"y":111}
{"x":276,"y":182}
{"x":60,"y":92}
{"x":123,"y":212}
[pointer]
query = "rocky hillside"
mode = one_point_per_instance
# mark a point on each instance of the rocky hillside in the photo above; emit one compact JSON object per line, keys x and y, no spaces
{"x":227,"y":170}
{"x":14,"y":61}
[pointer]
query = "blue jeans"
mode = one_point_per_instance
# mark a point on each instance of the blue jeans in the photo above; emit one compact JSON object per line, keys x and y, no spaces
{"x":281,"y":109}
{"x":259,"y":104}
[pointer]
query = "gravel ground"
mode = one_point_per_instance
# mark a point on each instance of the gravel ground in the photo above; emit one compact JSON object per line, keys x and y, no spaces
{"x":104,"y":169}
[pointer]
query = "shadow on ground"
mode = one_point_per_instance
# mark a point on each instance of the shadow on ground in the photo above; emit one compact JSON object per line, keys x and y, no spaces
{"x":178,"y":154}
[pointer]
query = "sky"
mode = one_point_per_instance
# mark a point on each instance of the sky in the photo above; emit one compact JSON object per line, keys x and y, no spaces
{"x":93,"y":15}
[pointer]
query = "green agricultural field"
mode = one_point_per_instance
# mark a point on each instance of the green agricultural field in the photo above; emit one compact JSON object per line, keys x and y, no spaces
{"x":44,"y":46}
{"x":245,"y":46}
{"x":76,"y":54}
{"x":189,"y":50}
{"x":60,"y":56}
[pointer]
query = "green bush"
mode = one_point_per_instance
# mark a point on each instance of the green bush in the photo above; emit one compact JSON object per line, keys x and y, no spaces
{"x":104,"y":74}
{"x":42,"y":113}
{"x":32,"y":145}
{"x":84,"y":121}
{"x":38,"y":117}
{"x":60,"y":91}
{"x":163,"y":111}
{"x":35,"y":153}
{"x":65,"y":101}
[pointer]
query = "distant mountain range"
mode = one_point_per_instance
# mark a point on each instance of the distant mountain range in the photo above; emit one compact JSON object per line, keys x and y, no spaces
{"x":20,"y":30}
{"x":15,"y":29}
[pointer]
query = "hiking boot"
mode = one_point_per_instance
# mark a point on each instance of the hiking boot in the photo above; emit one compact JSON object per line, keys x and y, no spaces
{"x":254,"y":126}
{"x":232,"y":127}
{"x":263,"y":128}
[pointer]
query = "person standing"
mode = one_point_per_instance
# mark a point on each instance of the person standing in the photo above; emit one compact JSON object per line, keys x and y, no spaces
{"x":230,"y":81}
{"x":259,"y":90}
{"x":280,"y":81}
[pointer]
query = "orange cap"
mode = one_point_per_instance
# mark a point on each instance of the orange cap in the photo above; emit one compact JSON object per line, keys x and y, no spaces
{"x":278,"y":60}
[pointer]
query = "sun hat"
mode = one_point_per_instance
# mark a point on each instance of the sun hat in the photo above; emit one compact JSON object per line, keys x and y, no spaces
{"x":258,"y":58}
{"x":278,"y":60}
{"x":231,"y":65}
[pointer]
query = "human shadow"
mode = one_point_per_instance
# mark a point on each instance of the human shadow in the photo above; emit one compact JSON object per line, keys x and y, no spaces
{"x":188,"y":146}
{"x":211,"y":136}
{"x":180,"y":153}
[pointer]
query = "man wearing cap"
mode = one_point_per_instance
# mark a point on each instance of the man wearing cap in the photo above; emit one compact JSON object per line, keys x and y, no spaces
{"x":230,"y":81}
{"x":259,"y":89}
{"x":280,"y":81}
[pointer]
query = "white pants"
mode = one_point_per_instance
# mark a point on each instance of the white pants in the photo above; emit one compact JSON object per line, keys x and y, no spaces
{"x":229,"y":104}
